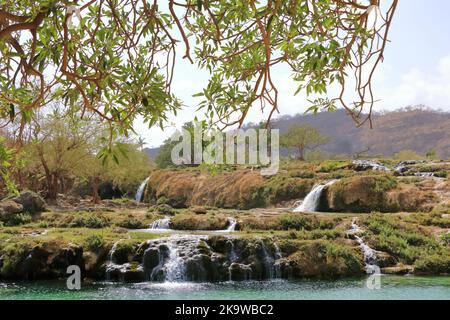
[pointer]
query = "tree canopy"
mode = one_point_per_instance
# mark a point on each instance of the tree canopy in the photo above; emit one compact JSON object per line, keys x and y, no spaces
{"x":302,"y":138}
{"x":116,"y":58}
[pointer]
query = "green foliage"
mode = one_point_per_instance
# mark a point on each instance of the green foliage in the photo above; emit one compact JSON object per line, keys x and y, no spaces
{"x":405,"y":155}
{"x":302,"y":174}
{"x":188,"y":221}
{"x":306,"y":222}
{"x":131,"y":223}
{"x":162,"y":200}
{"x":162,"y":209}
{"x":403,"y":241}
{"x":431,"y":154}
{"x":446,"y":239}
{"x":18,"y":219}
{"x":92,"y":221}
{"x":302,"y":138}
{"x":6,"y":160}
{"x":333,"y":165}
{"x":281,"y":188}
{"x":94,"y":243}
{"x":434,"y":264}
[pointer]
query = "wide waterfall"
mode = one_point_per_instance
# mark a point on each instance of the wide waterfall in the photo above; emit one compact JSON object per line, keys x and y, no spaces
{"x":192,"y":257}
{"x":311,"y":202}
{"x":140,"y":190}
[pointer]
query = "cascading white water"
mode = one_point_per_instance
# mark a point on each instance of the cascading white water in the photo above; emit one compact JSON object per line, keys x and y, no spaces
{"x":179,"y":250}
{"x":161,"y":224}
{"x":231,"y":225}
{"x":140,"y":190}
{"x":110,"y":265}
{"x":269,"y":260}
{"x":370,"y":255}
{"x":311,"y":201}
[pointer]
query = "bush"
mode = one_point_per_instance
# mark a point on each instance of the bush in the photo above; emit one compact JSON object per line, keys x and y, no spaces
{"x":131,"y":223}
{"x":302,"y":174}
{"x":296,"y":222}
{"x":18,"y":219}
{"x":406,"y":155}
{"x":162,"y":200}
{"x":282,"y":188}
{"x":94,"y":243}
{"x":333,"y":165}
{"x":92,"y":221}
{"x":404,"y":242}
{"x":199,"y":222}
{"x":446,"y":239}
{"x":435,"y":264}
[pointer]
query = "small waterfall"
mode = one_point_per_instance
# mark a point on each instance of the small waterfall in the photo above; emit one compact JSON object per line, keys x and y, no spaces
{"x":370,"y":255}
{"x":268,"y":261}
{"x":172,"y":254}
{"x":278,"y":256}
{"x":110,"y":265}
{"x":141,"y":189}
{"x":161,"y":224}
{"x":231,"y":225}
{"x":311,"y":202}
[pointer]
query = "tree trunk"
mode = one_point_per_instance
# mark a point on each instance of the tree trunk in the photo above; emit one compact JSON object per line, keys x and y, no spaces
{"x":95,"y":195}
{"x":52,"y":186}
{"x":301,"y":154}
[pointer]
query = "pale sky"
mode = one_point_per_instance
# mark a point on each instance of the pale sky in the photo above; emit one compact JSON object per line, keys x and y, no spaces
{"x":416,"y":70}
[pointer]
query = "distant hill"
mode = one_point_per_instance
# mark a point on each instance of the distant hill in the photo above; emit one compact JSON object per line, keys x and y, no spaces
{"x":151,"y":152}
{"x":415,"y":128}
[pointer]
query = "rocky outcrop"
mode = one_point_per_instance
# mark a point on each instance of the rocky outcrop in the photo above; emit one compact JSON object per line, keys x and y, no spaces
{"x":44,"y":261}
{"x":380,"y":193}
{"x":31,"y":202}
{"x":220,"y":258}
{"x":242,"y":189}
{"x":9,"y":208}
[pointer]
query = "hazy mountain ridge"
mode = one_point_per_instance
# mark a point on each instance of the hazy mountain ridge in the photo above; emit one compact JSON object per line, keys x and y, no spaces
{"x":415,"y":128}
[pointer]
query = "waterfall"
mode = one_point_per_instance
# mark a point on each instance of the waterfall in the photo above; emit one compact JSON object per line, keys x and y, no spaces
{"x":193,"y":257}
{"x":370,"y":255}
{"x":141,"y":189}
{"x":311,"y":202}
{"x":110,"y":265}
{"x":232,"y":225}
{"x":173,"y":254}
{"x":161,"y":224}
{"x":278,"y":256}
{"x":269,"y":259}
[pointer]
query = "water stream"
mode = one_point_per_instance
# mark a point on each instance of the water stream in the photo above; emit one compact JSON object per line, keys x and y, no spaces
{"x":312,"y":201}
{"x":140,"y":190}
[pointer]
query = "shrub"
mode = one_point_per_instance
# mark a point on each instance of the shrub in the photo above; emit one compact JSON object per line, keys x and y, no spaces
{"x":302,"y":174}
{"x":199,"y":222}
{"x":435,"y":264}
{"x":131,"y":223}
{"x":92,"y":221}
{"x":94,"y":242}
{"x":18,"y":219}
{"x":162,"y":200}
{"x":296,"y":222}
{"x":446,"y":239}
{"x":333,"y":165}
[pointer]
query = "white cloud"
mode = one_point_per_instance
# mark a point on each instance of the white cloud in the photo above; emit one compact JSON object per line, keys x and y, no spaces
{"x":430,"y":87}
{"x":393,"y":89}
